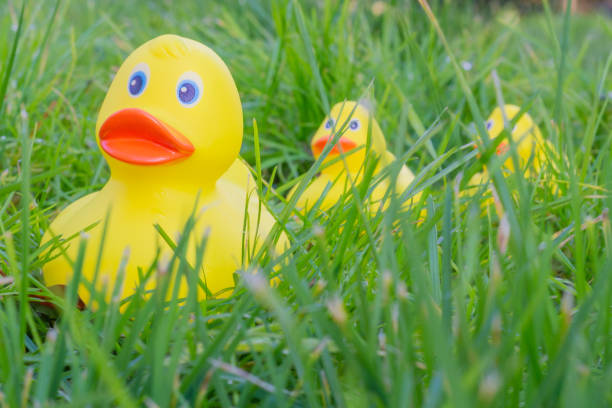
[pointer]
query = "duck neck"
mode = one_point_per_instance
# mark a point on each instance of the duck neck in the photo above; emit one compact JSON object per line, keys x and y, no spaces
{"x":336,"y":169}
{"x":147,"y":180}
{"x":351,"y":165}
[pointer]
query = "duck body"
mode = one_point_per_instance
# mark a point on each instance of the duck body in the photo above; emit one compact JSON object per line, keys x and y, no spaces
{"x":531,"y":146}
{"x":525,"y":134}
{"x":169,"y":161}
{"x":338,"y":174}
{"x":330,"y":186}
{"x":131,"y":233}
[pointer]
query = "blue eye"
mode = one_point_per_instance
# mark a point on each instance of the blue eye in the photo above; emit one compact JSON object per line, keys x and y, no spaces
{"x":138,"y":79}
{"x":187,"y":92}
{"x":354,"y":124}
{"x":329,"y":124}
{"x":489,"y":124}
{"x":189,"y":89}
{"x":137,"y":84}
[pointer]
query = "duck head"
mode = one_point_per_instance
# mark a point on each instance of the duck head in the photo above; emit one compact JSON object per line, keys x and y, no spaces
{"x":525,"y":132}
{"x":352,"y":120}
{"x":172,"y":113}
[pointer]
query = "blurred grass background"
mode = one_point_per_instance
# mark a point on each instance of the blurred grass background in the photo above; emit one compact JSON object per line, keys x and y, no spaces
{"x":371,"y":311}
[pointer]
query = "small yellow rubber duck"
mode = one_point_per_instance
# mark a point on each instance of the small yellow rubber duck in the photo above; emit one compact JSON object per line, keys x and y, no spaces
{"x":531,"y":147}
{"x":170,"y":128}
{"x":352,"y":119}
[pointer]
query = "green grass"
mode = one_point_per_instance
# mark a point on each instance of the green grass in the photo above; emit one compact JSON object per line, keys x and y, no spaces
{"x":472,"y":307}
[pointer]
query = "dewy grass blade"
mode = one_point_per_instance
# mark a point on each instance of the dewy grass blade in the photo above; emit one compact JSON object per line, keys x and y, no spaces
{"x":479,"y":120}
{"x":312,"y":60}
{"x":446,"y":259}
{"x":562,"y":62}
{"x":8,"y":67}
{"x":367,"y":308}
{"x":495,"y":171}
{"x":434,"y":263}
{"x":24,"y":280}
{"x":12,"y":350}
{"x":43,"y":46}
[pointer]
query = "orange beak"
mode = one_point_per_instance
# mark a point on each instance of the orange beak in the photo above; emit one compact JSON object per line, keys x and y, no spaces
{"x":137,"y":137}
{"x":343,"y":145}
{"x":502,"y":148}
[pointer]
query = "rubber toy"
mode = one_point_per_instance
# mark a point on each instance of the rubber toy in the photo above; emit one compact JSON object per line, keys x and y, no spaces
{"x":170,"y":129}
{"x":531,"y":147}
{"x":352,"y":120}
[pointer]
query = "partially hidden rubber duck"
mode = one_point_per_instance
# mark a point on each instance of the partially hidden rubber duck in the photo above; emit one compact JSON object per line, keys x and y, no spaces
{"x":170,"y":129}
{"x":531,"y":147}
{"x":352,"y":120}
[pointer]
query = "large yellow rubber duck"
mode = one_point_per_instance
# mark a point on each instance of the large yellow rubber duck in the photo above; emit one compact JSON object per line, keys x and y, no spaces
{"x":352,"y":120}
{"x":531,"y":147}
{"x":170,"y":128}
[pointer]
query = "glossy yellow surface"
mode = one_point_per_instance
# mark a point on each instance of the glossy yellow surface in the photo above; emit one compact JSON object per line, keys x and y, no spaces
{"x":352,"y":120}
{"x":525,"y":134}
{"x":211,"y":183}
{"x":531,"y":147}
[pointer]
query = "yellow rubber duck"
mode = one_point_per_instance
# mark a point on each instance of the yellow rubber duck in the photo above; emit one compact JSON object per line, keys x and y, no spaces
{"x":531,"y":147}
{"x":352,"y":119}
{"x":170,"y":128}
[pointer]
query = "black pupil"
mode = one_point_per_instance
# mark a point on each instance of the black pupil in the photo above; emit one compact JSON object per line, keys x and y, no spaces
{"x":353,"y":125}
{"x":187,"y":92}
{"x":136,"y":84}
{"x":329,"y":124}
